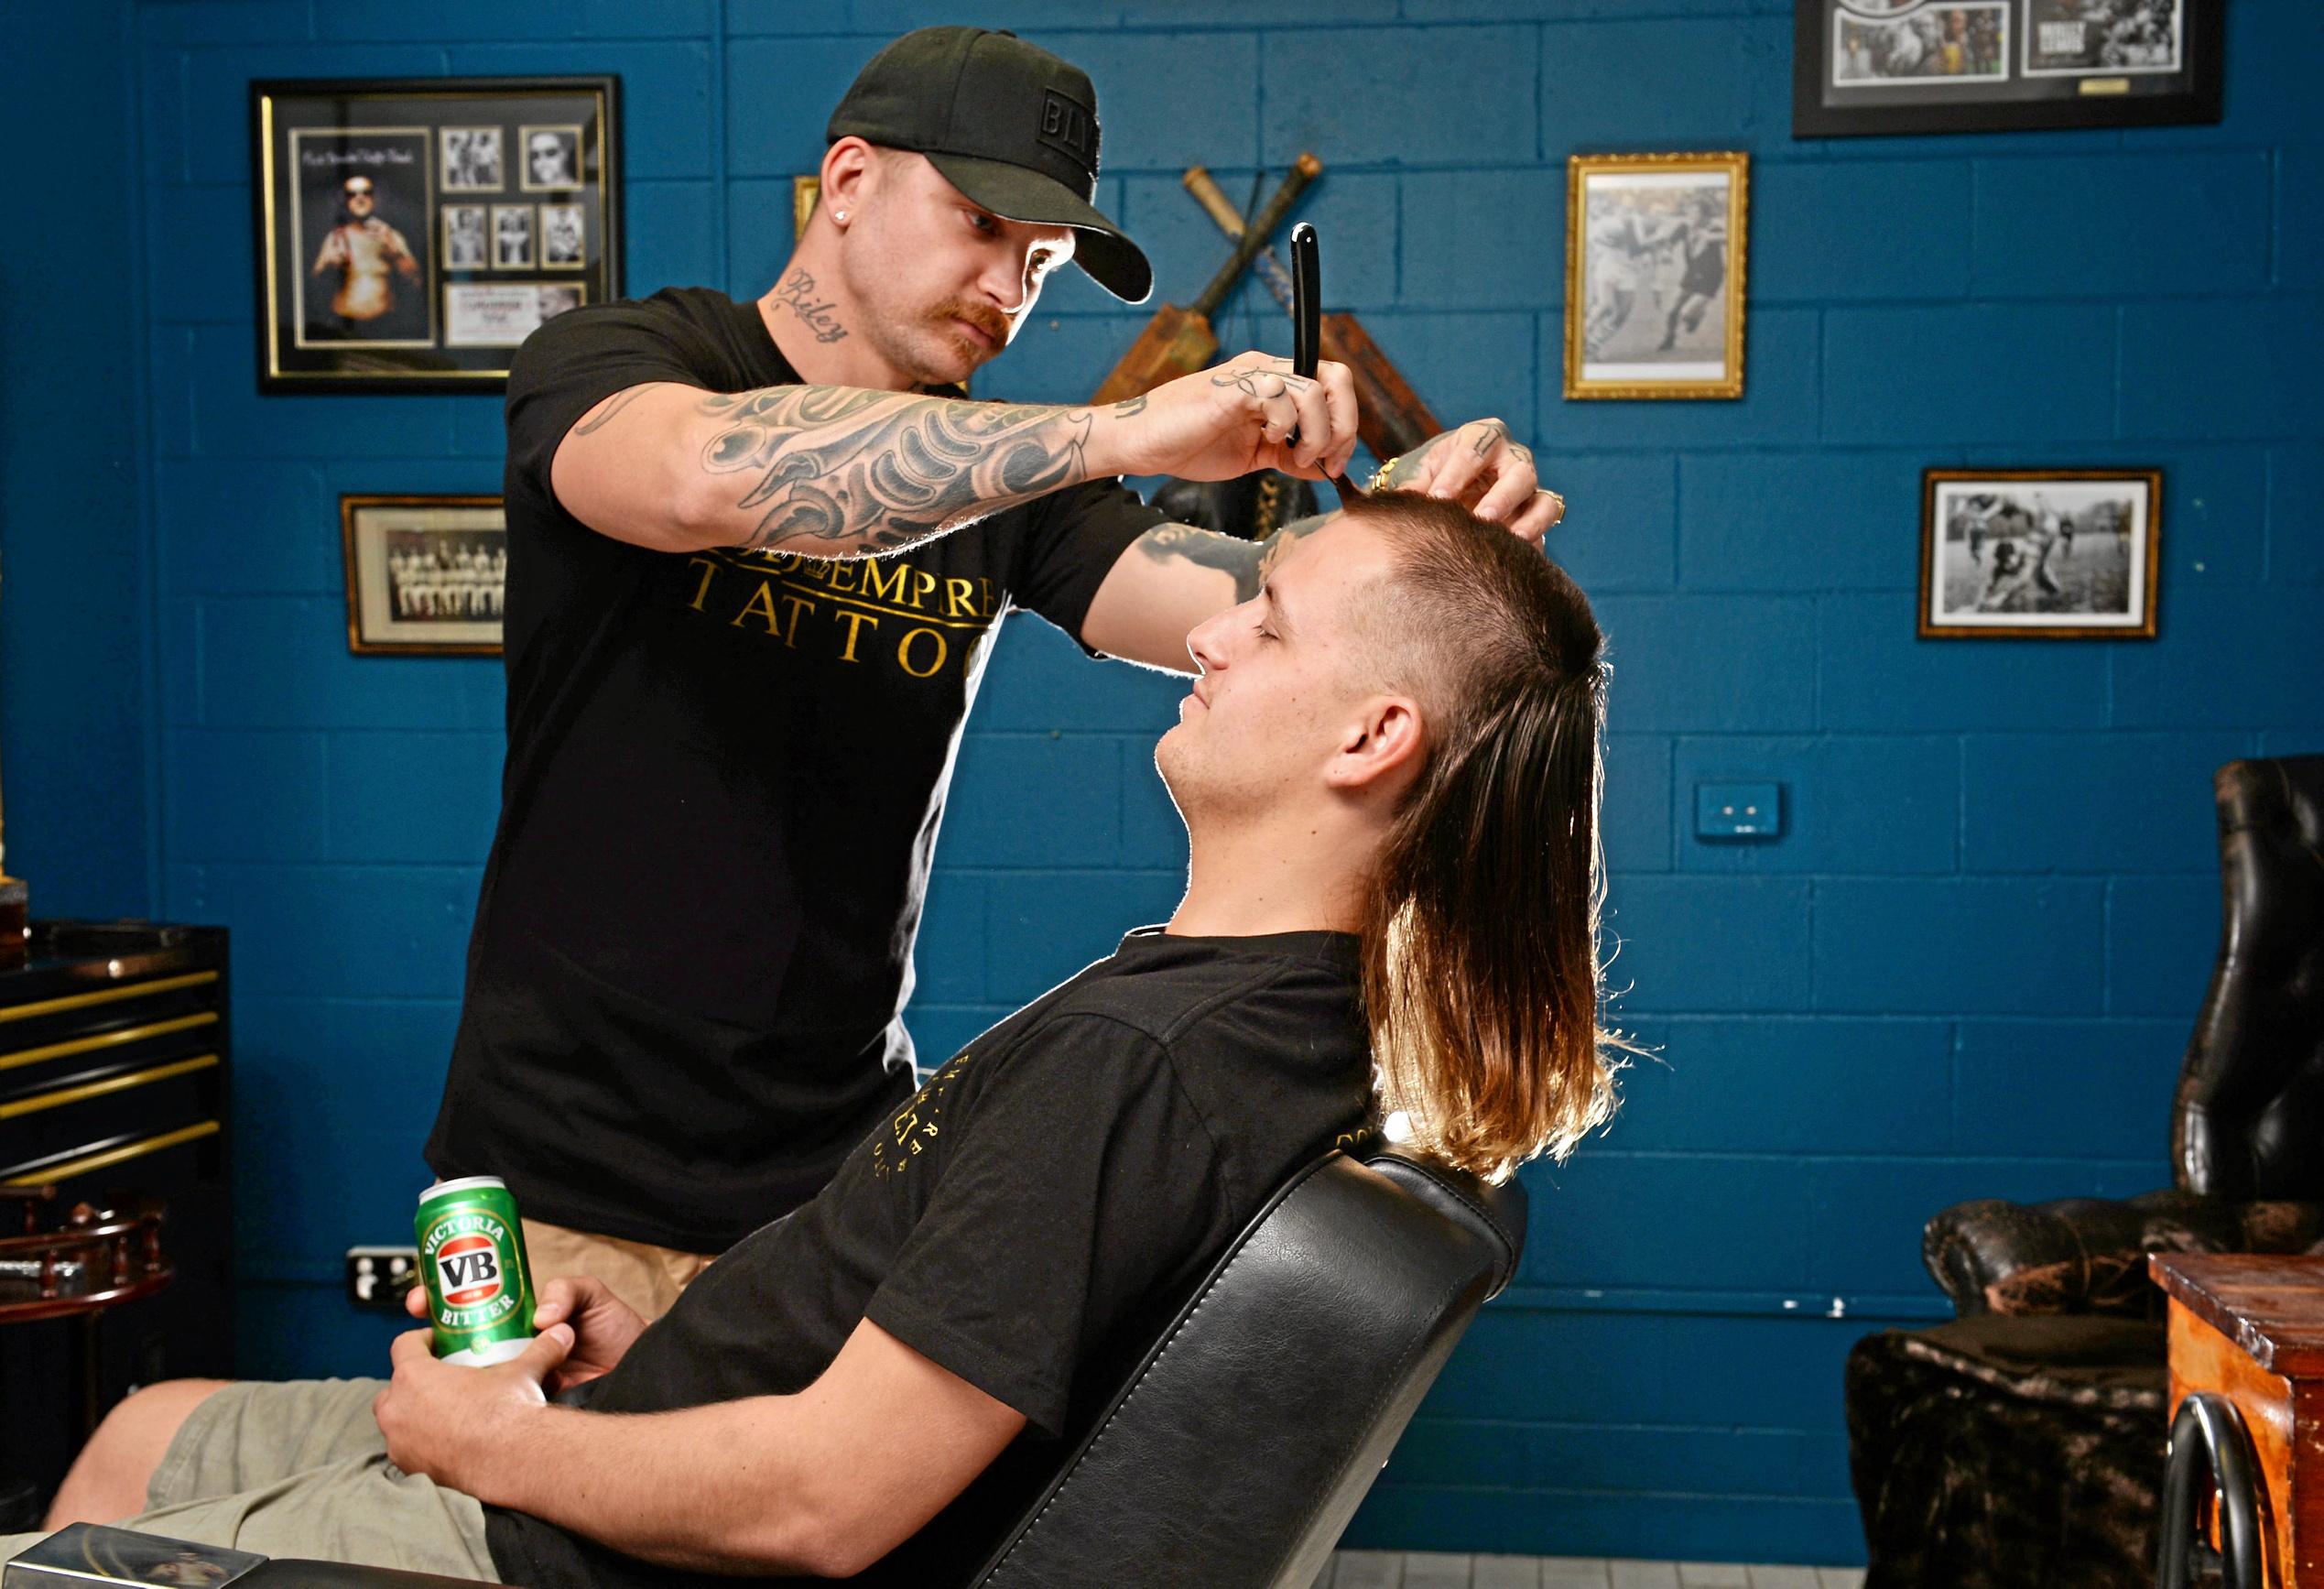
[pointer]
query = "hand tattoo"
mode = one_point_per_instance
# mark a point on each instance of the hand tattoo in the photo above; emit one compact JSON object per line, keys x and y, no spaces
{"x":798,"y":290}
{"x":838,"y":463}
{"x":1492,"y":435}
{"x":1247,"y":382}
{"x":1129,"y":405}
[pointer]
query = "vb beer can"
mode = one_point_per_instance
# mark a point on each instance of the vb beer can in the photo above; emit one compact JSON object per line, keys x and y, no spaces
{"x":471,"y":1259}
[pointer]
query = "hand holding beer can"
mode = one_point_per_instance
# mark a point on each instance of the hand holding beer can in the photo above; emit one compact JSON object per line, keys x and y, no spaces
{"x":471,"y":1259}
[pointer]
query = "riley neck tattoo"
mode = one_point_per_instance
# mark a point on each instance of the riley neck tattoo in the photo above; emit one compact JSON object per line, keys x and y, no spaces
{"x":834,"y":465}
{"x":798,"y":292}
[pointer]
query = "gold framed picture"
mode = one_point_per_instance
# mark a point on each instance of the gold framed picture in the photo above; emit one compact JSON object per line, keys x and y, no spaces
{"x":425,"y":574}
{"x":2040,"y":554}
{"x":805,"y":190}
{"x":410,"y":233}
{"x":1655,"y":257}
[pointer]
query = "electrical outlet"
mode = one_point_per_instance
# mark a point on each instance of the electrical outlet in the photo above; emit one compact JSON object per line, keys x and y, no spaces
{"x":377,"y":1277}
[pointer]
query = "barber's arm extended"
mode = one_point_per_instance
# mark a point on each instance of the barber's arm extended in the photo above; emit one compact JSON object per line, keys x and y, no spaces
{"x":839,"y":472}
{"x":1175,"y":576}
{"x":825,"y":1482}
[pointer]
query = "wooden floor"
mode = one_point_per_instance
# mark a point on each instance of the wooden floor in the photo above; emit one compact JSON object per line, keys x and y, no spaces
{"x":1419,"y":1569}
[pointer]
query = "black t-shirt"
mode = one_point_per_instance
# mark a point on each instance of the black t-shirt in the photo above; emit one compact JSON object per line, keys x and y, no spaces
{"x":1025,"y":1221}
{"x":726,"y":772}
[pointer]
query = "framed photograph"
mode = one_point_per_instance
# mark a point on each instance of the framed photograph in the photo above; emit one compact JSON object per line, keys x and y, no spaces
{"x":1960,"y":66}
{"x":804,"y":193}
{"x":1655,"y":275}
{"x":425,"y":574}
{"x":397,"y":250}
{"x":2039,"y":553}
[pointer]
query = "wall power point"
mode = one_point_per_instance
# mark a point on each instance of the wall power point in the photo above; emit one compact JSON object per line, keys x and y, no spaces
{"x":377,"y":1277}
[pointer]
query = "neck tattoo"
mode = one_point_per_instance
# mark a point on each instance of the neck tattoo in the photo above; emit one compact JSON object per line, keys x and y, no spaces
{"x":798,"y":290}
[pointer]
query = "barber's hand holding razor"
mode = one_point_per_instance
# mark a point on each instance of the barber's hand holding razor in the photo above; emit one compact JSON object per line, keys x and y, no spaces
{"x":1477,"y":465}
{"x":1250,"y":413}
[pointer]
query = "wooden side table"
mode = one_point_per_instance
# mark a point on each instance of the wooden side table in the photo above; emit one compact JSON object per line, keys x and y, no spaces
{"x":2250,"y":1327}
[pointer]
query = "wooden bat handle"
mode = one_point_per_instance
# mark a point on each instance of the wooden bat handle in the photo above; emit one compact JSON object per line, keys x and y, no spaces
{"x":1304,"y":170}
{"x":1206,"y":193}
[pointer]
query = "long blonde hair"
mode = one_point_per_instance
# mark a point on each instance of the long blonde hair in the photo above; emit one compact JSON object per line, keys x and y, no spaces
{"x":1480,"y":938}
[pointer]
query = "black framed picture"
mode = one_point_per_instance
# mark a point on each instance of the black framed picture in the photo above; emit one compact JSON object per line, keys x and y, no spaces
{"x":425,"y":574}
{"x":1964,"y":66}
{"x":412,"y":233}
{"x":2047,"y":554}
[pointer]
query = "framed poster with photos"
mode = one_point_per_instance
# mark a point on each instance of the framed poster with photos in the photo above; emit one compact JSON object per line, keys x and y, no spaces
{"x":425,"y":574}
{"x":412,"y":233}
{"x":1962,"y":66}
{"x":1655,"y":247}
{"x":2039,"y":553}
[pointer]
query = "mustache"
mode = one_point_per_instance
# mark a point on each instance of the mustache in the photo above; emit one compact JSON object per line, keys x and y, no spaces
{"x":983,"y":316}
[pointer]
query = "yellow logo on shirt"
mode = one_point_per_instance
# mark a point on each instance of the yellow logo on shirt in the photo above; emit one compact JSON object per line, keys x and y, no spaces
{"x":866,"y":608}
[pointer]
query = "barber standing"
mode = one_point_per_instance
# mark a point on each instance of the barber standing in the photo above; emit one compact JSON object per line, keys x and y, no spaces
{"x":731,"y":726}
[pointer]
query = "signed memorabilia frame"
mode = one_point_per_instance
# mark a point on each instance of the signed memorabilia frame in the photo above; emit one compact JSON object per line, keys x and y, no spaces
{"x":358,"y":290}
{"x":2006,"y":66}
{"x":1708,"y":199}
{"x":1999,"y":557}
{"x":423,"y":579}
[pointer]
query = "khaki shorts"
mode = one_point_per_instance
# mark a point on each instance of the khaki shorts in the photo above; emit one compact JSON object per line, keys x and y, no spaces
{"x":301,"y":1469}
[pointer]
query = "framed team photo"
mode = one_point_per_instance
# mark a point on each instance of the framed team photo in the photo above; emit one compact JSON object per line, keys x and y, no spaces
{"x":425,"y":574}
{"x":398,"y":246}
{"x":1864,"y":66}
{"x":1654,"y":253}
{"x":2039,"y":553}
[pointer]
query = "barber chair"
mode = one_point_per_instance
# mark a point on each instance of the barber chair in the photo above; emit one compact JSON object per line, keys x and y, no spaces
{"x":2023,"y":1443}
{"x":1233,"y":1453}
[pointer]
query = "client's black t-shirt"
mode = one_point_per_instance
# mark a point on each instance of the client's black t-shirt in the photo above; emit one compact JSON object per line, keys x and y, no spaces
{"x":724,"y":776}
{"x":1026,"y":1220}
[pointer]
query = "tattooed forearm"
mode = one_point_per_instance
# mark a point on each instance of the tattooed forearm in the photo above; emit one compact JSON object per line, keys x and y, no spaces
{"x":845,"y":470}
{"x":1249,"y":561}
{"x":612,"y":406}
{"x":798,"y":290}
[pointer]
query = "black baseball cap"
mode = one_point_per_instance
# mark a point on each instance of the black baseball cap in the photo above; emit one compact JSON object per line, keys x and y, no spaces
{"x":1009,"y":125}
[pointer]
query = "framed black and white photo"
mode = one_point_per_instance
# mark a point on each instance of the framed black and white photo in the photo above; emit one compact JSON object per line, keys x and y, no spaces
{"x":1654,"y":253}
{"x":2039,"y":553}
{"x":552,"y":158}
{"x":401,"y":248}
{"x":512,"y":236}
{"x":472,"y":160}
{"x":1958,"y":66}
{"x":425,"y":574}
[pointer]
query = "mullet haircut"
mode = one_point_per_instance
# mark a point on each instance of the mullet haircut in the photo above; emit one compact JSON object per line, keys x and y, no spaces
{"x":1480,"y":934}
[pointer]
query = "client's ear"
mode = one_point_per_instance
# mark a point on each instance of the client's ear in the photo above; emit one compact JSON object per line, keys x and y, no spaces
{"x":1380,"y":748}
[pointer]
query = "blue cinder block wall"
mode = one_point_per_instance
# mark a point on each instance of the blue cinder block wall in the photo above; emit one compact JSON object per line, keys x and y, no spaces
{"x":1968,"y":970}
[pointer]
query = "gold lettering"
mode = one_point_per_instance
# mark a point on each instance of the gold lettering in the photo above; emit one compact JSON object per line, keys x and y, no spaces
{"x":988,"y":609}
{"x":904,"y":652}
{"x":877,"y":588}
{"x":762,"y":601}
{"x":959,"y":597}
{"x":842,"y":578}
{"x":791,"y":630}
{"x":710,"y":571}
{"x":923,"y":582}
{"x":855,"y":622}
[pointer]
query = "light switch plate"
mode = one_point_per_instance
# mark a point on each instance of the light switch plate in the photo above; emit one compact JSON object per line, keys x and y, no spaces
{"x":1739,"y":811}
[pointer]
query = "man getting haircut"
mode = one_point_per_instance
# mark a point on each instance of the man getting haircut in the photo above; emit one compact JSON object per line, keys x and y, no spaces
{"x":1388,"y":769}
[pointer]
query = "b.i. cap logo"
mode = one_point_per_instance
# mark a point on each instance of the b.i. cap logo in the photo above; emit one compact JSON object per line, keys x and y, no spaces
{"x":1068,"y":128}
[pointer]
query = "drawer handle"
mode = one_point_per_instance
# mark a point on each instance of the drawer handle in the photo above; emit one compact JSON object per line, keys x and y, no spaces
{"x":107,"y":1039}
{"x":113,"y":1156}
{"x":106,"y":996}
{"x":87,"y":1089}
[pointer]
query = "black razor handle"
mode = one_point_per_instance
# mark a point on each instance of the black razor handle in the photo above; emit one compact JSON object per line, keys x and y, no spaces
{"x":1307,"y":301}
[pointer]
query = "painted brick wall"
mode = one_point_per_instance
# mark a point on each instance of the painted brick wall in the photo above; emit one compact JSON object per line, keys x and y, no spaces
{"x":1968,"y":968}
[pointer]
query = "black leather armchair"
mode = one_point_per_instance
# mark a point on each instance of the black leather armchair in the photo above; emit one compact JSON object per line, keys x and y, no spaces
{"x":1233,"y":1453}
{"x":2023,"y":1443}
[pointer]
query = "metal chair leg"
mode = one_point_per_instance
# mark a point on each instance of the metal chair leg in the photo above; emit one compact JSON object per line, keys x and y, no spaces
{"x":2210,"y":1448}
